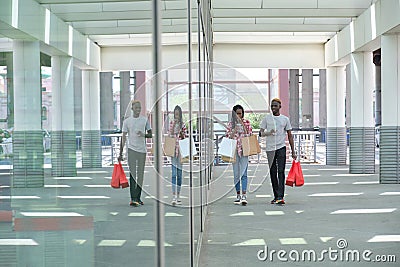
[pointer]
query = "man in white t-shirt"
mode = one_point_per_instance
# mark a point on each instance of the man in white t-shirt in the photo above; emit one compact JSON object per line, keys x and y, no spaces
{"x":275,"y":127}
{"x":138,"y":129}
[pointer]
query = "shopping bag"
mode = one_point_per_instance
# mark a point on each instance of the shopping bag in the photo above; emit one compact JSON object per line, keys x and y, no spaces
{"x":184,"y":160}
{"x":299,"y":174}
{"x":118,"y":178}
{"x":227,"y":149}
{"x":123,"y":181}
{"x":250,"y":145}
{"x":115,"y":177}
{"x":291,"y":178}
{"x":169,"y":146}
{"x":184,"y":148}
{"x":228,"y":159}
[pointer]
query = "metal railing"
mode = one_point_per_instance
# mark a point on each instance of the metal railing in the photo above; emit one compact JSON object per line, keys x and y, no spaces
{"x":305,"y":145}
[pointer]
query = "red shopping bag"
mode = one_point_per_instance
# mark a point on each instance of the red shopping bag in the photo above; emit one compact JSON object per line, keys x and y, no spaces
{"x":118,"y":178}
{"x":299,"y":175}
{"x":290,"y":179}
{"x":123,"y":181}
{"x":115,"y":176}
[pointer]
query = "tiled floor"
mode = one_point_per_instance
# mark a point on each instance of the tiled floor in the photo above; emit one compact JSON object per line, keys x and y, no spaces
{"x":82,"y":221}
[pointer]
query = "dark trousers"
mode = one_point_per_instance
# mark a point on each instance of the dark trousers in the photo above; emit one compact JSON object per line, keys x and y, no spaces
{"x":277,"y":162}
{"x":136,"y":162}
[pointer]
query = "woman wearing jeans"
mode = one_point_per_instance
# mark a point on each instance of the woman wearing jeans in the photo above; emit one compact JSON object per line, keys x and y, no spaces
{"x":238,"y":128}
{"x":177,"y":129}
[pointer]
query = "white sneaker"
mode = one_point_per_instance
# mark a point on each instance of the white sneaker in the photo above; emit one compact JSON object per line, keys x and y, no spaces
{"x":237,"y":200}
{"x":173,"y":202}
{"x":243,"y":201}
{"x":178,"y":201}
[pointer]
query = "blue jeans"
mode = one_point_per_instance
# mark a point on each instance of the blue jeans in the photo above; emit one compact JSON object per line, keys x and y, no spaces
{"x":176,"y":174}
{"x":240,"y":172}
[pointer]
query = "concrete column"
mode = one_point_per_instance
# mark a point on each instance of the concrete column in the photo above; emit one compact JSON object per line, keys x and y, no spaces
{"x":322,"y":104}
{"x":378,"y":107}
{"x":284,"y":91}
{"x":336,"y":149}
{"x":125,"y":96}
{"x":307,"y":102}
{"x":140,"y":90}
{"x":362,"y":130}
{"x":390,"y":129}
{"x":27,"y":136}
{"x":348,"y":96}
{"x":78,"y":100}
{"x":63,"y":148}
{"x":91,"y":144}
{"x":106,"y":102}
{"x":294,"y":98}
{"x":10,"y":89}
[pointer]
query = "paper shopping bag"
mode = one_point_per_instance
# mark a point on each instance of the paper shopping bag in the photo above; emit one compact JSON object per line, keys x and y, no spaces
{"x":184,"y":147}
{"x":228,"y":159}
{"x":118,"y":178}
{"x":123,"y":181}
{"x":169,"y":146}
{"x":227,"y":149}
{"x":299,"y":175}
{"x":115,"y":177}
{"x":290,"y":179}
{"x":250,"y":145}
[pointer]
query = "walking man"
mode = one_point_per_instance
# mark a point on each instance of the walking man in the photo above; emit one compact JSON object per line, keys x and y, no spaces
{"x":275,"y":127}
{"x":138,"y":129}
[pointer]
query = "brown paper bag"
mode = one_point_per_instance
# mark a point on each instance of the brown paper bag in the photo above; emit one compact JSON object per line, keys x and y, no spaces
{"x":169,"y":146}
{"x":250,"y":145}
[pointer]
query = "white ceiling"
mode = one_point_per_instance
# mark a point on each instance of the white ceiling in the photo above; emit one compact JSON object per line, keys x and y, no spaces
{"x":128,"y":22}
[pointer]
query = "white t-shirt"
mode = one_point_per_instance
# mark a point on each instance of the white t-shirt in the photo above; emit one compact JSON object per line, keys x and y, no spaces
{"x":132,"y":126}
{"x":280,"y":124}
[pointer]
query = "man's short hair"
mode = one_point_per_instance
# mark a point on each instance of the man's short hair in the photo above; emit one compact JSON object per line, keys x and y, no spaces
{"x":134,"y":102}
{"x":276,"y":100}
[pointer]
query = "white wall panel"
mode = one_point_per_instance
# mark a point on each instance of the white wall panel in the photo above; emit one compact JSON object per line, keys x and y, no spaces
{"x":343,"y":21}
{"x":343,"y":4}
{"x":236,"y":4}
{"x":90,"y":7}
{"x":30,"y":24}
{"x":79,"y":46}
{"x":126,"y":58}
{"x":281,"y":20}
{"x":290,"y":3}
{"x":6,"y":11}
{"x":135,"y":23}
{"x":174,"y":4}
{"x":372,"y":22}
{"x":330,"y":48}
{"x":31,"y":18}
{"x":94,"y":55}
{"x":94,"y":24}
{"x":390,"y":80}
{"x":359,"y":30}
{"x":274,"y":56}
{"x":344,"y":42}
{"x":270,"y":56}
{"x":234,"y":20}
{"x":389,"y":14}
{"x":124,"y":6}
{"x":58,"y":34}
{"x":377,"y":20}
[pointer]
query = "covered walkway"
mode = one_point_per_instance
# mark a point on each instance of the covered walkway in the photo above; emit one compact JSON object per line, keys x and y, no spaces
{"x":99,"y":55}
